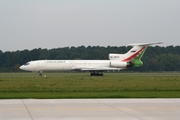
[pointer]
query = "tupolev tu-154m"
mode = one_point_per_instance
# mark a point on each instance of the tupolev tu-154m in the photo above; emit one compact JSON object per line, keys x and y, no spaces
{"x":96,"y":67}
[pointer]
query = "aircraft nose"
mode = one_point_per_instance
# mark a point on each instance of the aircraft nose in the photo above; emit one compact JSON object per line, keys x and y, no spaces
{"x":21,"y":67}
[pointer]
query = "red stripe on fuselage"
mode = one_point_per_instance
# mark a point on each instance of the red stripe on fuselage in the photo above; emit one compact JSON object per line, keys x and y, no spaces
{"x":134,"y":55}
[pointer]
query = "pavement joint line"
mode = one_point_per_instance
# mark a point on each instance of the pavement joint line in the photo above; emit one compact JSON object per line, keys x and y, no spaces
{"x":119,"y":109}
{"x":27,"y":109}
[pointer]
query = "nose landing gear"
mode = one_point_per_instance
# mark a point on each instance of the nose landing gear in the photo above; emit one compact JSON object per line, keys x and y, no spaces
{"x":40,"y":73}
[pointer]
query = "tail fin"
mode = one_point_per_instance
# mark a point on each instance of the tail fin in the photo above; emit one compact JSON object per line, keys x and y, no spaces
{"x":133,"y":55}
{"x":137,"y":51}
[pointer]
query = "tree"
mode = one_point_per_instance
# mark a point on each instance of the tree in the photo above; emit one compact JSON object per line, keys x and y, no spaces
{"x":155,"y":58}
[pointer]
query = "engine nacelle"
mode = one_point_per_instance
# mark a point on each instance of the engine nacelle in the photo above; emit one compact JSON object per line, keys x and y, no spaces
{"x":135,"y":63}
{"x":118,"y":64}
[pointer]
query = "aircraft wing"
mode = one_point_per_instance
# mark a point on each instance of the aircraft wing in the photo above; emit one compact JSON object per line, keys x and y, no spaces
{"x":98,"y":69}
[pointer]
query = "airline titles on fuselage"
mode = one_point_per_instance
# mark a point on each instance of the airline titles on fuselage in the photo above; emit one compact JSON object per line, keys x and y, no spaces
{"x":55,"y":61}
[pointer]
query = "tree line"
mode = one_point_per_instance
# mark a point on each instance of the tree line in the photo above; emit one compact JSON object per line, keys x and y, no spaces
{"x":155,"y":58}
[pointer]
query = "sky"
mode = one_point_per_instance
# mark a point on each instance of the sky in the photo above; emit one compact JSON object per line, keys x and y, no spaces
{"x":30,"y":24}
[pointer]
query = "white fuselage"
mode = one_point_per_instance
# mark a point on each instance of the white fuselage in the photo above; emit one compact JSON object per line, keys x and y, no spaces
{"x":64,"y":65}
{"x":115,"y":62}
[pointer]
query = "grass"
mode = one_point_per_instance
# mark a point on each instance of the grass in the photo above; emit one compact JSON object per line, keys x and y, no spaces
{"x":81,"y":85}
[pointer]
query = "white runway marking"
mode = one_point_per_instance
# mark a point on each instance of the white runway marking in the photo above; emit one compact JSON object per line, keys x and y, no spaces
{"x":88,"y":109}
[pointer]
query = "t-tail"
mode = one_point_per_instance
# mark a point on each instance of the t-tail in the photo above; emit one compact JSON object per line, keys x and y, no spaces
{"x":134,"y":55}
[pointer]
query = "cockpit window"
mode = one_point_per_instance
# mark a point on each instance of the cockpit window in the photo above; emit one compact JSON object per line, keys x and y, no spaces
{"x":27,"y":63}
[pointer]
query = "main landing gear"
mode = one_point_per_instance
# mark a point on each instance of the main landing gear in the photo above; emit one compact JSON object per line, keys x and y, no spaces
{"x":93,"y":73}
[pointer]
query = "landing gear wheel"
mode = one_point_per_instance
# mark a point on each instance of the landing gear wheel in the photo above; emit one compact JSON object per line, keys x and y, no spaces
{"x":101,"y":74}
{"x":96,"y":74}
{"x":40,"y":74}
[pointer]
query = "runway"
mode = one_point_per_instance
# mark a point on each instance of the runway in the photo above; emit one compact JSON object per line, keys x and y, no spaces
{"x":90,"y":109}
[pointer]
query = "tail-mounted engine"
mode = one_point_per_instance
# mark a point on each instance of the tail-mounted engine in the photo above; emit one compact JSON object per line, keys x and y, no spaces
{"x":118,"y":64}
{"x":134,"y":63}
{"x":130,"y":64}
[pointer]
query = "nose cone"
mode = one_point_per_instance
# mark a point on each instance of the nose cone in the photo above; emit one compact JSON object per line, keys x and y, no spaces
{"x":21,"y":67}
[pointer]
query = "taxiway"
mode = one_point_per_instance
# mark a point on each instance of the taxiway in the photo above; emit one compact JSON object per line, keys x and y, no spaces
{"x":90,"y":109}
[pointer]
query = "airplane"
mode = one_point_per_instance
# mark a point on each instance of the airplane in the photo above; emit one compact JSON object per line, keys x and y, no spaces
{"x":116,"y":62}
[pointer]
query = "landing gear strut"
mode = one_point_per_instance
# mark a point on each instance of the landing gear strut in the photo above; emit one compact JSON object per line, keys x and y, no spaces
{"x":40,"y":73}
{"x":93,"y":73}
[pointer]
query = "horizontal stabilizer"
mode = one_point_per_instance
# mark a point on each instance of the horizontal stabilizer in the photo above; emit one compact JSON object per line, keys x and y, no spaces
{"x":144,"y":44}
